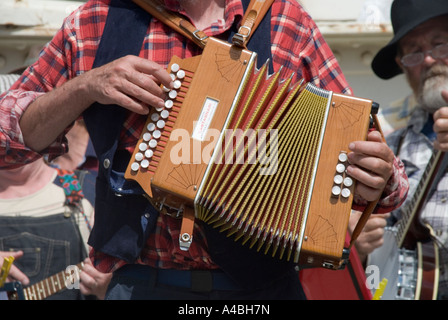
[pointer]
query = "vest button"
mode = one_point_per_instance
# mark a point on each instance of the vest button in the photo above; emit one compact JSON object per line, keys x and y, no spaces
{"x":106,"y":163}
{"x":147,"y":215}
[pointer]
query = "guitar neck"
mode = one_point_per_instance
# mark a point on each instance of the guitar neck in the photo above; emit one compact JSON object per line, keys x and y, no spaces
{"x":49,"y":286}
{"x":410,"y":216}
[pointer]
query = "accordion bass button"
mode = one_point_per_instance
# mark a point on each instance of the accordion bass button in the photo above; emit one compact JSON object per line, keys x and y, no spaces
{"x":164,"y":114}
{"x":149,"y":153}
{"x":343,"y":157}
{"x":177,"y":84}
{"x":348,"y":182}
{"x":145,"y":164}
{"x":338,"y":179}
{"x":336,"y":191}
{"x":142,"y":146}
{"x":340,"y":168}
{"x":345,"y":192}
{"x":151,"y":126}
{"x":147,"y":136}
{"x":155,"y":117}
{"x":157,"y":134}
{"x":139,"y":156}
{"x":135,"y":166}
{"x":172,"y":94}
{"x":180,"y":74}
{"x":169,"y":104}
{"x":175,"y":67}
{"x":152,"y":143}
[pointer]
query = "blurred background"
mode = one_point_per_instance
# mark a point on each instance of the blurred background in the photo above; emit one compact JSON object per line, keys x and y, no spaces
{"x":354,"y":29}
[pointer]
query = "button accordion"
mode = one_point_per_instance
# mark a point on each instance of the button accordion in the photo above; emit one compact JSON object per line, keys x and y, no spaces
{"x":256,"y":156}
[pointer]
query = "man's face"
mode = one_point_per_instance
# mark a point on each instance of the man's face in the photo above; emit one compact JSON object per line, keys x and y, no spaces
{"x":430,"y":77}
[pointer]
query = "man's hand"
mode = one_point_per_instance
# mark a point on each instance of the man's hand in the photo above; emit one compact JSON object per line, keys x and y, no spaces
{"x":14,"y":273}
{"x":371,"y":164}
{"x":93,"y":282}
{"x":371,"y":236}
{"x":441,"y":125}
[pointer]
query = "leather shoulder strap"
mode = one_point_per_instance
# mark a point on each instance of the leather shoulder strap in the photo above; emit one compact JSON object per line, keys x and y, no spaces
{"x":252,"y":18}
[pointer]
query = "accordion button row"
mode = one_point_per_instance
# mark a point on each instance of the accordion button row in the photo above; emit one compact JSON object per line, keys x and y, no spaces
{"x":341,"y":182}
{"x":158,"y":121}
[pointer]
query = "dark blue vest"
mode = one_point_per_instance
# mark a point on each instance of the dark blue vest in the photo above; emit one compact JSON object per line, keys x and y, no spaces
{"x":123,"y":217}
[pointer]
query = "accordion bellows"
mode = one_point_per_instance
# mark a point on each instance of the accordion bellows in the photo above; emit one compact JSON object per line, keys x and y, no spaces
{"x":256,"y":156}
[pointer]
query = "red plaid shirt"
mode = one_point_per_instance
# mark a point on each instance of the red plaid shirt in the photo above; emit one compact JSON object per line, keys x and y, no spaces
{"x":297,"y":46}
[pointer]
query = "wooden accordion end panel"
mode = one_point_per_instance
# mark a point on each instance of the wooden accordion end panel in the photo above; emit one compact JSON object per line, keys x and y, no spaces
{"x":258,"y":157}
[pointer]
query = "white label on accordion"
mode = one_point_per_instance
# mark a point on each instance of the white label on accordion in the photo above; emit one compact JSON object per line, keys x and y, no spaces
{"x":205,"y":119}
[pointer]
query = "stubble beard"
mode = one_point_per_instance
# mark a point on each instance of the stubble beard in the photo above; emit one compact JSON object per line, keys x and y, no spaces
{"x":433,"y":82}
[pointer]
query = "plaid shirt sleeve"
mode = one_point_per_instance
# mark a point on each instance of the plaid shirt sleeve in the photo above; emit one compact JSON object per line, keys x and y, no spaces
{"x":394,"y":193}
{"x":54,"y":67}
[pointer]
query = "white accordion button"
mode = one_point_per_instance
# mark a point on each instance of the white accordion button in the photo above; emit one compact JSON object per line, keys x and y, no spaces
{"x":160,"y":124}
{"x":348,"y":182}
{"x":155,"y":117}
{"x":145,"y":164}
{"x":340,"y":168}
{"x":139,"y":156}
{"x":342,"y":157}
{"x":152,"y":143}
{"x":164,"y":114}
{"x":143,"y":146}
{"x":151,"y":126}
{"x":177,"y":84}
{"x":172,"y":94}
{"x":149,"y":153}
{"x":180,"y":74}
{"x":345,"y":193}
{"x":169,"y":104}
{"x":157,"y":134}
{"x":175,"y":67}
{"x":336,"y":191}
{"x":147,"y":136}
{"x":135,"y":166}
{"x":338,"y":179}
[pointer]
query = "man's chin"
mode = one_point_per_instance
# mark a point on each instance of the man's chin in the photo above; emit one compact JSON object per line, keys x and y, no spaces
{"x":431,"y":98}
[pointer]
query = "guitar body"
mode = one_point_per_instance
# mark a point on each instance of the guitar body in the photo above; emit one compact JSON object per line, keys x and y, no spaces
{"x":428,"y":271}
{"x":410,"y":274}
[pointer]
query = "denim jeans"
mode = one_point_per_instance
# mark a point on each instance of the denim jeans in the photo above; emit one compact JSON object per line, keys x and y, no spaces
{"x":50,"y":244}
{"x":132,"y":282}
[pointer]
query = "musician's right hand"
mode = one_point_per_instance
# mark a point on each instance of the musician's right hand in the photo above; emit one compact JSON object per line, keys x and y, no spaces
{"x":14,"y":273}
{"x":131,"y":82}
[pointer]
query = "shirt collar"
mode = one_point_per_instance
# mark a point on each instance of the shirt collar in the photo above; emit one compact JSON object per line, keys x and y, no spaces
{"x":418,"y":119}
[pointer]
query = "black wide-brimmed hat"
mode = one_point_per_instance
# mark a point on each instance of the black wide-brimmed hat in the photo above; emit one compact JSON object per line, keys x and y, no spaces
{"x":405,"y":16}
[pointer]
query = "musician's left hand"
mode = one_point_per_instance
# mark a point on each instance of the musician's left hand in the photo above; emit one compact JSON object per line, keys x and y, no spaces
{"x":371,"y":164}
{"x":371,"y":236}
{"x":441,"y":125}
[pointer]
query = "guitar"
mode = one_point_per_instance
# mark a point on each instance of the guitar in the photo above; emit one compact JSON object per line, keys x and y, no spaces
{"x":409,"y":258}
{"x":44,"y":288}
